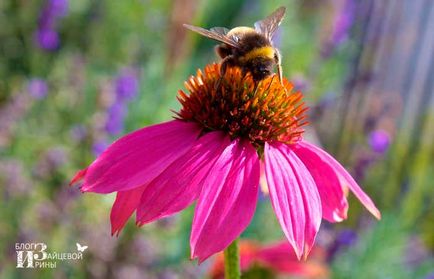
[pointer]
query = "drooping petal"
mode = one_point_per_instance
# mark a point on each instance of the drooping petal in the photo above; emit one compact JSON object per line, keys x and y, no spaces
{"x":181,"y":183}
{"x":341,"y":172}
{"x":137,"y":158}
{"x":333,"y":199}
{"x":227,"y":202}
{"x":125,"y":204}
{"x":294,"y":196}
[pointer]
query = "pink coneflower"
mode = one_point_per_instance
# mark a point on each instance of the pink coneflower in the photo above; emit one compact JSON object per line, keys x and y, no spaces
{"x":212,"y":153}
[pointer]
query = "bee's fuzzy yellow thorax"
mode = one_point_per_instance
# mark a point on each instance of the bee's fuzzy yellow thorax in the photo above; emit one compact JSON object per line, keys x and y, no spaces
{"x":240,"y":30}
{"x":266,"y":52}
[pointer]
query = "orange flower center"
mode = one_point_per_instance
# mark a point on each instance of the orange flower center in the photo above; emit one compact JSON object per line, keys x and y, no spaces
{"x":260,"y":113}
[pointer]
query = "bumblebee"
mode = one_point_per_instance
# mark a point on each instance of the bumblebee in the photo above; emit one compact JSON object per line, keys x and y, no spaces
{"x":251,"y":49}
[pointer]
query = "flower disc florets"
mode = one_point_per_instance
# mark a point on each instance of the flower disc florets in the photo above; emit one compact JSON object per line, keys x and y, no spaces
{"x":262,"y":113}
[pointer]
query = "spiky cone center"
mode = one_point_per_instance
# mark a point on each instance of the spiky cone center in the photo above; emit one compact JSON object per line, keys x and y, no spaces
{"x":261,"y":113}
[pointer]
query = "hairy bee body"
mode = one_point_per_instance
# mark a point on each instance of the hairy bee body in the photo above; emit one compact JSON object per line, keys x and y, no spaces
{"x":251,"y":49}
{"x":255,"y":55}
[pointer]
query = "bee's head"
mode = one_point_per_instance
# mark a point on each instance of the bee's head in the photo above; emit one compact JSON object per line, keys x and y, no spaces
{"x":261,"y":68}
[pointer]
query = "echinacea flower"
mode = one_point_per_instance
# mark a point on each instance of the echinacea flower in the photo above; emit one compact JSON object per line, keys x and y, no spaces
{"x":214,"y":152}
{"x":277,"y":259}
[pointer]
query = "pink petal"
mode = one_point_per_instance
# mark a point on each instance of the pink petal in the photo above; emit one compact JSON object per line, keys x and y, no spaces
{"x":333,"y":200}
{"x":78,"y":176}
{"x":280,"y":257}
{"x":137,"y":158}
{"x":227,"y":202}
{"x":276,"y":252}
{"x":349,"y":181}
{"x":181,"y":183}
{"x":125,"y":204}
{"x":294,"y":196}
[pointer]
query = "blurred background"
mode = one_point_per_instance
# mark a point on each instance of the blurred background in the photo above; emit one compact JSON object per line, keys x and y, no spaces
{"x":76,"y":75}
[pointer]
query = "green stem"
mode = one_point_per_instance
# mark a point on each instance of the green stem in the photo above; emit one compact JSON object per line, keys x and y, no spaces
{"x":232,"y":261}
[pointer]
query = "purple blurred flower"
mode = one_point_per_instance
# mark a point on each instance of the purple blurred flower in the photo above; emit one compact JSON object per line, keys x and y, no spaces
{"x":127,"y":85}
{"x":46,"y":19}
{"x":144,"y":252}
{"x":344,"y":238}
{"x":300,"y":82}
{"x":47,"y":39}
{"x":343,"y":22}
{"x":10,"y":113}
{"x":78,"y":132}
{"x":341,"y":26}
{"x":57,"y":156}
{"x":99,"y":147}
{"x":379,"y":140}
{"x":129,"y":271}
{"x":115,"y":118}
{"x":37,"y":88}
{"x":46,"y":213}
{"x":58,"y":8}
{"x":364,"y":161}
{"x":13,"y":177}
{"x":416,"y":252}
{"x":50,"y":162}
{"x":64,"y":197}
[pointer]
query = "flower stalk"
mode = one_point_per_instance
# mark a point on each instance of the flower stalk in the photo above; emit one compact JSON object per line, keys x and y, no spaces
{"x":232,"y":261}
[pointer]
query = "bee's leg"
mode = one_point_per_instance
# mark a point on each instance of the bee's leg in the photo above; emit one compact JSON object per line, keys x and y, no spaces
{"x":277,"y":59}
{"x":227,"y":61}
{"x":279,"y":72}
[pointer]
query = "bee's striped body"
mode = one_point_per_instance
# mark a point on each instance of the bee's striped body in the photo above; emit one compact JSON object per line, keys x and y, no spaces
{"x":267,"y":52}
{"x":255,"y":55}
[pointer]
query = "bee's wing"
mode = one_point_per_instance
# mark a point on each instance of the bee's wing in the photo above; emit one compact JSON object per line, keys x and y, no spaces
{"x":269,"y":25}
{"x":216,"y":33}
